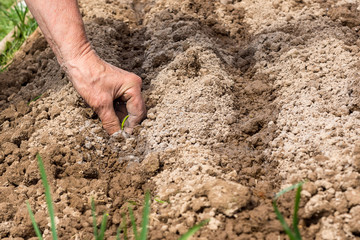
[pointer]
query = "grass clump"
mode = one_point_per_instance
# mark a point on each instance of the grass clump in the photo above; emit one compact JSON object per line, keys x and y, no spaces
{"x":16,"y":16}
{"x":145,"y":221}
{"x":6,"y":3}
{"x":99,"y":234}
{"x":293,"y":233}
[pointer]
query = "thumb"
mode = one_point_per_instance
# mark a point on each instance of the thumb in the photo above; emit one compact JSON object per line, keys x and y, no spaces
{"x":109,"y":119}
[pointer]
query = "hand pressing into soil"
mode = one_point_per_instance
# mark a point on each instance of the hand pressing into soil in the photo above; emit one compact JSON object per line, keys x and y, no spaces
{"x":110,"y":91}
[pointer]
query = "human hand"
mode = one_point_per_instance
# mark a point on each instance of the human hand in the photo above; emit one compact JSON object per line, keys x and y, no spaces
{"x":112,"y":92}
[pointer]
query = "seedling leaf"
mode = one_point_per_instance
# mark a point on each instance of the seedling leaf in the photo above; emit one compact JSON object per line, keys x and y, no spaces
{"x":133,"y":223}
{"x":47,"y":196}
{"x":145,"y":217}
{"x":103,"y":227}
{"x":123,"y":122}
{"x":160,"y":201}
{"x":283,"y":222}
{"x":132,"y":202}
{"x":288,"y":189}
{"x":193,"y":230}
{"x":292,"y":234}
{"x":34,"y":99}
{"x":296,"y":209}
{"x":36,"y":227}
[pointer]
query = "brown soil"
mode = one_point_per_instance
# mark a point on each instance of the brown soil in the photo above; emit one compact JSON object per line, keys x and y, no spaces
{"x":243,"y":97}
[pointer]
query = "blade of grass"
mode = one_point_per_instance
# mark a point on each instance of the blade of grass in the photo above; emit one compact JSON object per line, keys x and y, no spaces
{"x":93,"y":213}
{"x":161,"y":201}
{"x":103,"y":226}
{"x":47,"y":196}
{"x":293,"y":235}
{"x":285,"y":190}
{"x":145,"y":217}
{"x":133,"y":223}
{"x":36,"y":227}
{"x":283,"y":222}
{"x":193,"y":230}
{"x":34,"y":99}
{"x":296,"y":209}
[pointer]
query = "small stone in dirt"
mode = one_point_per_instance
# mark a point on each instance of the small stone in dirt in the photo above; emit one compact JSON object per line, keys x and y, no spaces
{"x":353,"y":197}
{"x":54,"y":111}
{"x":214,"y":224}
{"x":199,"y":203}
{"x":226,"y":197}
{"x":151,"y":163}
{"x":339,"y":202}
{"x":317,"y":206}
{"x":310,"y":187}
{"x":22,"y":107}
{"x":8,"y":148}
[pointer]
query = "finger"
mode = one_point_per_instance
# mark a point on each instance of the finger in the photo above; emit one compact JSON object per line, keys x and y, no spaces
{"x":109,"y":119}
{"x":136,"y":110}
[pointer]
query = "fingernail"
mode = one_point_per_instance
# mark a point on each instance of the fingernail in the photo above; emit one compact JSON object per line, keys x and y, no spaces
{"x":123,"y":122}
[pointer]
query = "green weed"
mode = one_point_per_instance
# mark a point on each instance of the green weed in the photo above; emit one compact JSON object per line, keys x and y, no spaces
{"x":293,"y":233}
{"x":6,"y":3}
{"x":34,"y":99}
{"x":160,"y":201}
{"x":99,"y":234}
{"x":25,"y":25}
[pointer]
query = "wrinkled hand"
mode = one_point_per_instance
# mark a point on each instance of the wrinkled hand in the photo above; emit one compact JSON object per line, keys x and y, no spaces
{"x":112,"y":92}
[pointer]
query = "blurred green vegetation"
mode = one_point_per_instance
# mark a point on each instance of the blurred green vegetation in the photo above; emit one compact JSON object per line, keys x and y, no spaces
{"x":17,"y":15}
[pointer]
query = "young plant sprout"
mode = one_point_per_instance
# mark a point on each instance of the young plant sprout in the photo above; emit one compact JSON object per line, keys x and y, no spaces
{"x":294,"y":233}
{"x":99,"y":234}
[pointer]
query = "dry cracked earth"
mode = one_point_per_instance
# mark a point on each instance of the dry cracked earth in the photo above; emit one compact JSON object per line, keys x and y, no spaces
{"x":244,"y":98}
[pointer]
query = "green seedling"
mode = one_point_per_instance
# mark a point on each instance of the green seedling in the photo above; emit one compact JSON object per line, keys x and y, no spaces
{"x":25,"y":25}
{"x":145,"y":220}
{"x":48,"y":202}
{"x":6,"y":3}
{"x":293,"y":233}
{"x":123,"y":122}
{"x":36,"y":227}
{"x":34,"y":99}
{"x":132,"y":202}
{"x":194,"y":229}
{"x":160,"y":201}
{"x":17,"y":16}
{"x":98,"y":234}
